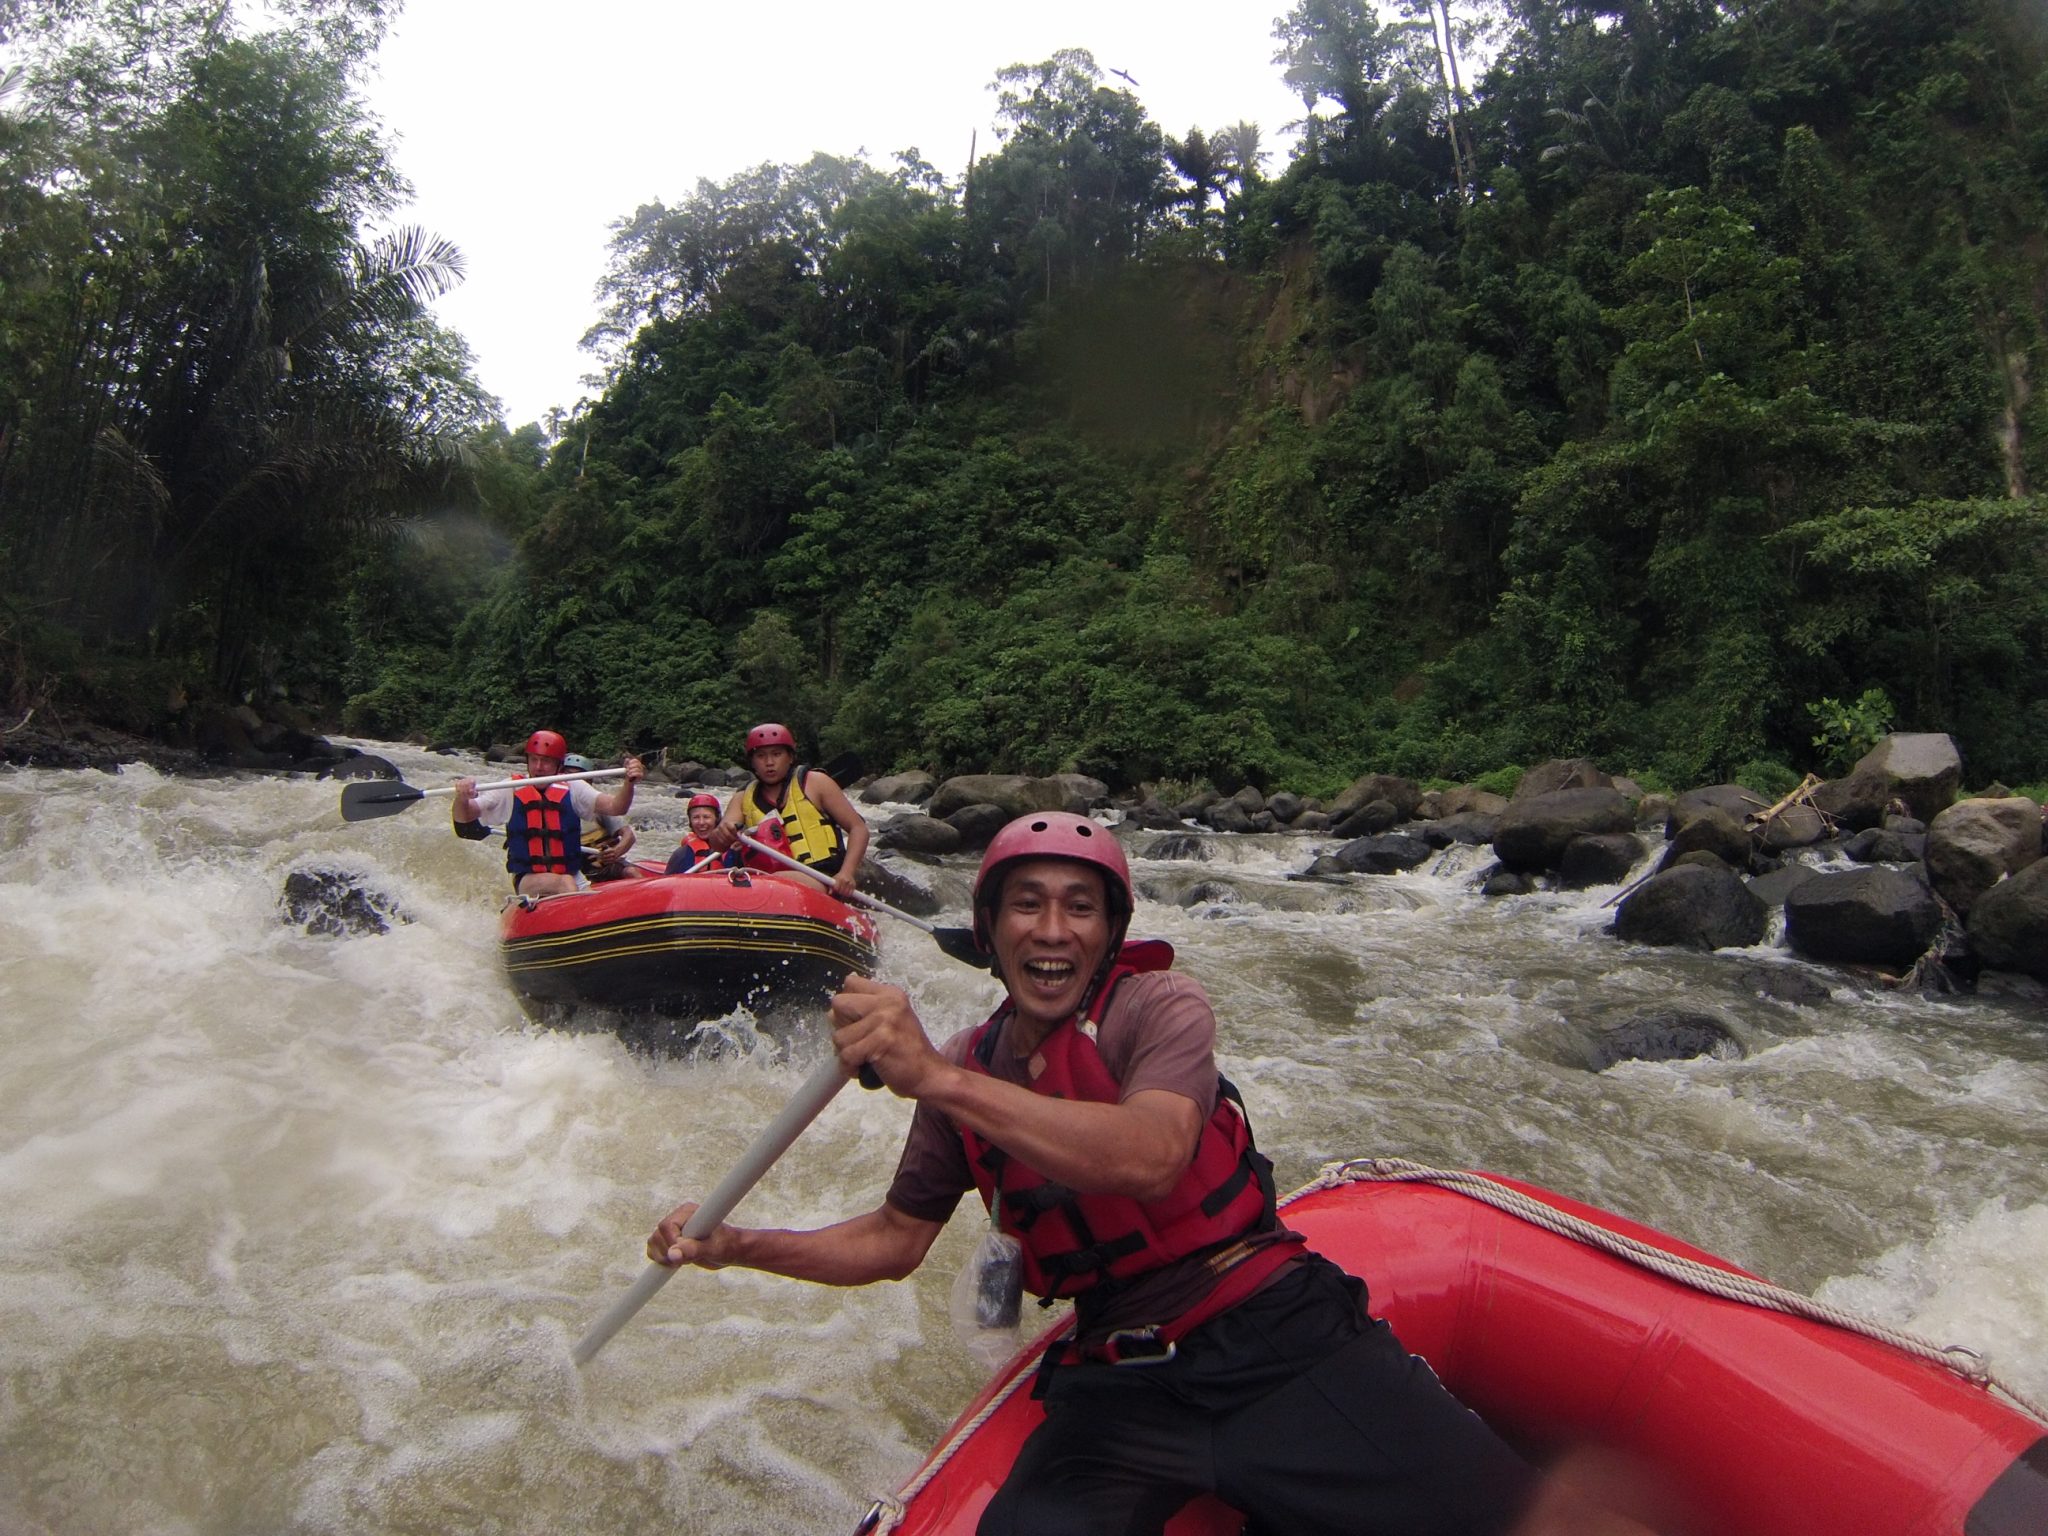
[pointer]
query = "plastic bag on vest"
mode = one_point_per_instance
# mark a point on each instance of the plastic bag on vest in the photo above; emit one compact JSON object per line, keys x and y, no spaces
{"x":770,"y":834}
{"x":988,"y":1298}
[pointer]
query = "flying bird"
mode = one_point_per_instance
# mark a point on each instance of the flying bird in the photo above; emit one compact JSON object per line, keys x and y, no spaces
{"x":1122,"y":75}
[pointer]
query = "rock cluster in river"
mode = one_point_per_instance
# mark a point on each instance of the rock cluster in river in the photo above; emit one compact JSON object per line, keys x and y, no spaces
{"x":1940,"y":886}
{"x":1884,"y":867}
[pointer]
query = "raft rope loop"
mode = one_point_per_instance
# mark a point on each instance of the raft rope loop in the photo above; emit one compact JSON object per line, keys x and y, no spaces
{"x":888,"y":1510}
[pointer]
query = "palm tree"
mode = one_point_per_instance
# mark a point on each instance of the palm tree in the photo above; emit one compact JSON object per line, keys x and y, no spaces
{"x":1201,"y":166}
{"x":1239,"y":146}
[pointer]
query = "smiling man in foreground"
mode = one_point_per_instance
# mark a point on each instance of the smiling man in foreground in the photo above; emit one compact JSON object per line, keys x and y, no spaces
{"x":1213,"y":1353}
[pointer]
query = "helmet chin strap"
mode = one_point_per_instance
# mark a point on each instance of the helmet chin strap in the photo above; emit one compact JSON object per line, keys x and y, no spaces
{"x":1116,"y":947}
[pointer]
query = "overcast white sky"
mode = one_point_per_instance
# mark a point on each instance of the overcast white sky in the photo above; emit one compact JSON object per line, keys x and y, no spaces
{"x":526,"y":128}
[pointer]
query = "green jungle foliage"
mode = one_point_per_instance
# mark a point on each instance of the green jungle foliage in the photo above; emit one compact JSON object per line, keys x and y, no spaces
{"x":1654,"y":379}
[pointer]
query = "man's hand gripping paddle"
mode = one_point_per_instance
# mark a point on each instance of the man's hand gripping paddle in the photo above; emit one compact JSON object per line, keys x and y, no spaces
{"x":818,"y":1090}
{"x":810,"y":1101}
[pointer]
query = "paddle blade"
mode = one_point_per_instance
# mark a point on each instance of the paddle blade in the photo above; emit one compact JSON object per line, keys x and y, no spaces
{"x":959,"y":944}
{"x":369,"y":798}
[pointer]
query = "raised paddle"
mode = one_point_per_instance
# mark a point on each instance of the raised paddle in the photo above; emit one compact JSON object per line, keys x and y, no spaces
{"x":367,"y":799}
{"x":956,"y":942}
{"x":819,"y":1090}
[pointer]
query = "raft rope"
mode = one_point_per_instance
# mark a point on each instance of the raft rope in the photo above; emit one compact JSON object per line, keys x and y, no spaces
{"x":888,"y":1510}
{"x":1957,"y":1358}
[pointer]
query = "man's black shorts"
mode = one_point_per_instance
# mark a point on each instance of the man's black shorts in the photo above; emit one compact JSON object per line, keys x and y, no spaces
{"x":1294,"y":1407}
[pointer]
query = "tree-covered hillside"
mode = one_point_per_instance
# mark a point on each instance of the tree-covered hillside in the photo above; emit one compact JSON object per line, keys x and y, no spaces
{"x":1658,"y":379}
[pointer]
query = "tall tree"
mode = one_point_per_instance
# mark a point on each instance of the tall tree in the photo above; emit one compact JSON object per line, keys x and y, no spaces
{"x":1200,"y":163}
{"x":221,"y":371}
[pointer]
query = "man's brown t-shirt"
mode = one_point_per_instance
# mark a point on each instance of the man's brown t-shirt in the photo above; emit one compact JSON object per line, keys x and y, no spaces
{"x":1159,"y":1032}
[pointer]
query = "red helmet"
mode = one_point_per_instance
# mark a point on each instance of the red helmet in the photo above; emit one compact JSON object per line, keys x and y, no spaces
{"x":769,"y":735}
{"x":546,"y":744}
{"x":1052,"y":835}
{"x":703,"y":800}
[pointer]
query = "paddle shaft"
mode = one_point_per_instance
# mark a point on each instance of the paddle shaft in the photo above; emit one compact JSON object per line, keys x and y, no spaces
{"x":860,"y":897}
{"x":819,"y":1090}
{"x":546,"y":778}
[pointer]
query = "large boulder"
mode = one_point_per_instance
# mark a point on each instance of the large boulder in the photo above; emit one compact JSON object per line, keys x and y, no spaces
{"x":978,"y":824}
{"x":1794,"y":826}
{"x":2008,"y":924}
{"x":1871,"y":916}
{"x":1921,"y":769}
{"x":1229,"y":816}
{"x":1373,"y":817}
{"x":1402,"y":794}
{"x":883,"y":881}
{"x":1016,"y":794}
{"x":1463,"y":827}
{"x":1382,"y":855}
{"x":1083,"y":792}
{"x":1881,"y":845}
{"x":1974,"y":844}
{"x":913,"y":788}
{"x":1534,"y":832}
{"x":1560,"y":773}
{"x":1694,"y":906}
{"x":918,"y":834}
{"x":1468,"y":799}
{"x":1704,"y":827}
{"x":1732,"y":799}
{"x":1773,"y":888}
{"x":1602,"y":860}
{"x":1150,"y":812}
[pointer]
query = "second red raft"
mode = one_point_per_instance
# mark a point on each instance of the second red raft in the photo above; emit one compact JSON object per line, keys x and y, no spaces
{"x":649,"y":951}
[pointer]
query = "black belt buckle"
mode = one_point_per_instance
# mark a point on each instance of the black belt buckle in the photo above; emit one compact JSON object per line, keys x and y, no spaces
{"x":1138,"y":1346}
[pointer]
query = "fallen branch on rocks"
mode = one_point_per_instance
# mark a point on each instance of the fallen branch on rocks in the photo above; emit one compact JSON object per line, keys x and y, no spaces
{"x":1760,"y":820}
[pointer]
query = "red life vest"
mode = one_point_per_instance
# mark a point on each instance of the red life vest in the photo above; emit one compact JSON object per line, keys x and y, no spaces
{"x":1073,"y":1242}
{"x":544,"y":835}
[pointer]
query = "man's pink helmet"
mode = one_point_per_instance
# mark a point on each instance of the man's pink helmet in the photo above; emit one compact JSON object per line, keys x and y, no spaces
{"x":1052,"y":835}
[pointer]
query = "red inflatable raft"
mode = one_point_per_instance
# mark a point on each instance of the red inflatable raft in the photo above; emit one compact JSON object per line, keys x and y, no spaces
{"x":1706,"y":1413}
{"x":648,"y":951}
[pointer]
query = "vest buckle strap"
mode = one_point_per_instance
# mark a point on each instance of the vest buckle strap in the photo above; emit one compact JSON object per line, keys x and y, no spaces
{"x":1136,"y":1346}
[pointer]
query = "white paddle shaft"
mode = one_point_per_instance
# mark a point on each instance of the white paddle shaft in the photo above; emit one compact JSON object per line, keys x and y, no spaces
{"x":546,"y":778}
{"x":860,"y":898}
{"x":818,"y":1090}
